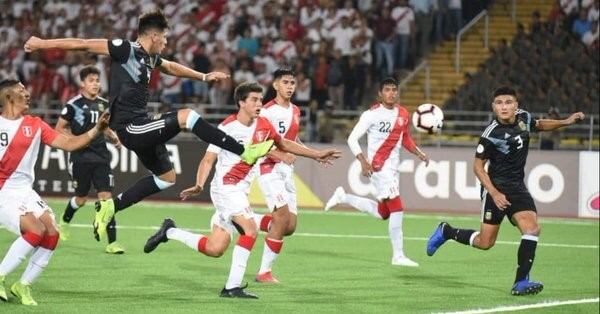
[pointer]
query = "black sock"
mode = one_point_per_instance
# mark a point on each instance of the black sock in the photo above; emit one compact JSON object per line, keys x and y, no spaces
{"x":69,"y":211}
{"x":140,"y":190}
{"x":459,"y":235}
{"x":212,"y":135}
{"x":525,"y":257}
{"x":111,"y":231}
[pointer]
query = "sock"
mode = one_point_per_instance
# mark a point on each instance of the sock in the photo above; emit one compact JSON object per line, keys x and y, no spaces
{"x":270,"y":254}
{"x":111,"y":231}
{"x":190,"y":239}
{"x":395,"y":231}
{"x":37,"y":262}
{"x":18,"y":251}
{"x":263,"y":221}
{"x":212,"y":135}
{"x":141,"y":189}
{"x":363,"y":204}
{"x":70,"y":210}
{"x":525,"y":256}
{"x":239,"y":260}
{"x":463,"y":236}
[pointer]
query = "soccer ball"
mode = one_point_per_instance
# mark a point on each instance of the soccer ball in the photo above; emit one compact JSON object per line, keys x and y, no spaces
{"x":428,"y":118}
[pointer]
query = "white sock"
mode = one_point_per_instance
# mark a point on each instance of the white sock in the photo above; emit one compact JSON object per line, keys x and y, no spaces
{"x":268,"y":258}
{"x":396,"y":236}
{"x":363,"y":204}
{"x":15,"y":255}
{"x":185,"y":237}
{"x":239,"y":260}
{"x":257,"y":219}
{"x":37,"y":262}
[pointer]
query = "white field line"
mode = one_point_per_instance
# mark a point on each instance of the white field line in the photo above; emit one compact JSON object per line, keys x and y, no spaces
{"x":352,"y":236}
{"x":511,"y":308}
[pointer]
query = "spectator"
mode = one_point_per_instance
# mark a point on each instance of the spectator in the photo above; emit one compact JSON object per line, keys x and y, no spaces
{"x":325,"y":122}
{"x":303,"y":90}
{"x":335,"y":79}
{"x":424,"y":23}
{"x":405,"y":30}
{"x":582,"y":25}
{"x":384,"y":43}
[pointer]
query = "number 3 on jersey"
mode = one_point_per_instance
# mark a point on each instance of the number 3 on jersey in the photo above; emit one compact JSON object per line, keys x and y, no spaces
{"x":520,"y":141}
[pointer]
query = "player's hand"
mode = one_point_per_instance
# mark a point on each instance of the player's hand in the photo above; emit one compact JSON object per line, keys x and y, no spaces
{"x":367,"y":169}
{"x":33,"y":44}
{"x":500,"y":200}
{"x":116,"y":143}
{"x":102,"y":123}
{"x":574,"y":118}
{"x":189,"y":192}
{"x":215,"y":76}
{"x":326,"y":156}
{"x":424,"y":158}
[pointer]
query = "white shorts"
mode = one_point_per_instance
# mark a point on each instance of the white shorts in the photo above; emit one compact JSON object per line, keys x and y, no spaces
{"x":386,"y":183}
{"x":230,"y":200}
{"x":279,"y":190}
{"x":15,"y":203}
{"x":227,"y":225}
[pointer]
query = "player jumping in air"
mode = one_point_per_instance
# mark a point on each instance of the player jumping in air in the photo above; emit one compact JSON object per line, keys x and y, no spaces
{"x":387,"y":128}
{"x":505,"y":145}
{"x":130,"y":70}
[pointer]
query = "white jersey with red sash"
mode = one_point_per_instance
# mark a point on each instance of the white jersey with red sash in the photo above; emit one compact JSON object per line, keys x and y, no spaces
{"x":286,"y":121}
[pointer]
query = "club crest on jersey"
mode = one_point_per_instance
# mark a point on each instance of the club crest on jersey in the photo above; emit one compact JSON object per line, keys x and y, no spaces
{"x":401,"y":121}
{"x":261,"y":136}
{"x":27,"y":131}
{"x":100,"y":107}
{"x":522,"y":126}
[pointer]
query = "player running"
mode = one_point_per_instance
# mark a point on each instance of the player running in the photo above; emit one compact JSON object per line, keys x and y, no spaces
{"x":90,"y":165}
{"x":505,"y":145}
{"x":130,"y":70}
{"x":229,"y":190}
{"x":22,"y":211}
{"x":387,"y":128}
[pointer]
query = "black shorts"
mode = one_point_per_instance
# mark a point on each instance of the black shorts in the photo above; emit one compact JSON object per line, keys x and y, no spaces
{"x":84,"y":174}
{"x":519,"y":201}
{"x":146,"y":136}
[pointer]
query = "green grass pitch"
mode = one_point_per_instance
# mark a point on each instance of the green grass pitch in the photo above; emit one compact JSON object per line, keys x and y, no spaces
{"x":337,"y":262}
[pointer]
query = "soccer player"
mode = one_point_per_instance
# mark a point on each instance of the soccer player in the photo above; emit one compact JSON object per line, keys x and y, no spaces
{"x":276,"y":179}
{"x":130,"y":70}
{"x":92,"y":163}
{"x":387,"y":128}
{"x":505,"y":145}
{"x":22,"y":211}
{"x":229,"y":190}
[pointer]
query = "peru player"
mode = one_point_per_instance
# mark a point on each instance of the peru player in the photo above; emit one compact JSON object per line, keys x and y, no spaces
{"x":22,"y":211}
{"x":230,"y":187}
{"x":387,"y":128}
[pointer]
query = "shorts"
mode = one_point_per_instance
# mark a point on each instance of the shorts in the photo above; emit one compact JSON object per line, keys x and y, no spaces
{"x":519,"y":201}
{"x":227,"y":225}
{"x":84,"y":174}
{"x":146,"y":136}
{"x":279,"y":190}
{"x":386,"y":183}
{"x":18,"y":202}
{"x":230,"y":201}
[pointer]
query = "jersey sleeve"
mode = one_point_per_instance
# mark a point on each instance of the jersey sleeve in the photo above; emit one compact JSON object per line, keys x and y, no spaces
{"x":119,"y":50}
{"x":67,"y":112}
{"x":48,"y":133}
{"x":358,"y":131}
{"x":407,"y":141}
{"x":484,"y":148}
{"x":273,"y":135}
{"x":531,"y":122}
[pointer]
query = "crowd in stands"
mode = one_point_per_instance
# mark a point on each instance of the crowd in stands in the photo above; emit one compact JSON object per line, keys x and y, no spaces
{"x":553,"y":64}
{"x":338,"y":48}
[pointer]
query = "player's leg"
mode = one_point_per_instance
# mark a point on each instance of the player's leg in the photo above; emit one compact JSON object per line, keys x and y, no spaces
{"x":191,"y":120}
{"x":362,"y":204}
{"x":81,"y":174}
{"x":103,"y":181}
{"x":244,"y":222}
{"x":396,"y":209}
{"x":38,"y":260}
{"x":526,"y":220}
{"x":484,"y":239}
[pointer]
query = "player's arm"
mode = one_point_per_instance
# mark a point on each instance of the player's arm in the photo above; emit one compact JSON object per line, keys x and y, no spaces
{"x":96,"y":46}
{"x":72,"y":143}
{"x":409,"y":144}
{"x":292,"y":147}
{"x":357,"y":132}
{"x":204,"y":168}
{"x":550,"y":124}
{"x":176,"y":69}
{"x":283,"y":156}
{"x":112,"y":137}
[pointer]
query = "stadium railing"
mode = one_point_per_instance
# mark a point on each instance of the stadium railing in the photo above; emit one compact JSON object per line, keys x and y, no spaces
{"x":423,"y":66}
{"x":483,"y":14}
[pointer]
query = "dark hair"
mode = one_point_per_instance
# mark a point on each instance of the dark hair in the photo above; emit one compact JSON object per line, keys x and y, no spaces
{"x":242,"y":91}
{"x":504,"y":90}
{"x":88,"y":70}
{"x":387,"y":81}
{"x":282,"y":72}
{"x":152,"y":20}
{"x":4,"y":85}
